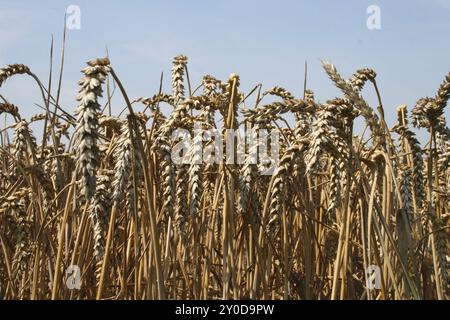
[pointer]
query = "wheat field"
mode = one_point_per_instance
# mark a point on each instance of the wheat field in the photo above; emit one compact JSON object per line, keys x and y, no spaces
{"x":102,"y":192}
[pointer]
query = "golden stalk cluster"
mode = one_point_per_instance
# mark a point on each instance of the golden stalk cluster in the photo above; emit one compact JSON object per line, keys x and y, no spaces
{"x":103,"y":193}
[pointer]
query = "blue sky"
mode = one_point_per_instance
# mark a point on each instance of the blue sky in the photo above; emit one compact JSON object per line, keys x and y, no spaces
{"x":263,"y":41}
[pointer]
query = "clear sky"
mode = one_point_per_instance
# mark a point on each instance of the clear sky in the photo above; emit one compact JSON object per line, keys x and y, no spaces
{"x":263,"y":41}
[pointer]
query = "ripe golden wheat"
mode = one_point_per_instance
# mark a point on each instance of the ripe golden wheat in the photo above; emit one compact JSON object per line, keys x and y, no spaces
{"x":102,"y":192}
